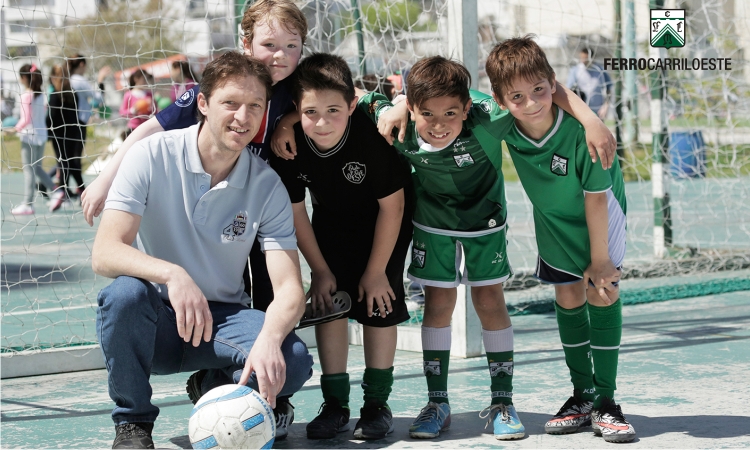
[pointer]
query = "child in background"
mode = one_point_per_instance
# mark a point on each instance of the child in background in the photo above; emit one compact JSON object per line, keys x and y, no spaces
{"x":182,"y":79}
{"x":357,"y":242}
{"x":580,"y":233}
{"x":138,"y":103}
{"x":32,"y":127}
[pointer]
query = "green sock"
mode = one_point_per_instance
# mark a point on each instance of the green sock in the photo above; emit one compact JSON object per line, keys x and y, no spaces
{"x":335,"y":387}
{"x":377,"y":384}
{"x":501,"y":376}
{"x":436,"y":370}
{"x":606,"y":332}
{"x":573,"y":325}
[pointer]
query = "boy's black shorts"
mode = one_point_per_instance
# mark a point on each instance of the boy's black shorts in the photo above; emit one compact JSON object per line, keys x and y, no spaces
{"x":347,"y":254}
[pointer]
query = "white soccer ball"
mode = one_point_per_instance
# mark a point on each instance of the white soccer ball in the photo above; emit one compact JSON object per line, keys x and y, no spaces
{"x":232,"y":416}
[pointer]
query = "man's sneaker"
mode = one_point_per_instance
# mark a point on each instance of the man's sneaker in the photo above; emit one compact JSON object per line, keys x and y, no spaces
{"x":342,"y":303}
{"x":505,"y":422}
{"x":22,"y":210}
{"x":434,"y":418}
{"x":284,"y":414}
{"x":193,"y":386}
{"x":332,"y":418}
{"x":574,"y":414}
{"x":375,"y":421}
{"x":609,"y":422}
{"x":134,"y":435}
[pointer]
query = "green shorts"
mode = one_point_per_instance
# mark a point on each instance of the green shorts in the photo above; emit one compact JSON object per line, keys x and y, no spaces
{"x":447,"y":261}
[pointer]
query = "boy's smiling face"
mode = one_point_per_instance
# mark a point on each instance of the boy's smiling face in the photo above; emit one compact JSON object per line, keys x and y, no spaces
{"x":530,"y":102}
{"x":324,"y":116}
{"x":439,"y":120}
{"x":278,"y":48}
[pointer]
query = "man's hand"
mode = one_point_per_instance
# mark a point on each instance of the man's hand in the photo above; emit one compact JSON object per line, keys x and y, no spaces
{"x":378,"y":291}
{"x":603,"y":274}
{"x":323,"y":284}
{"x":396,"y":117}
{"x":267,"y":361}
{"x":193,"y":316}
{"x":93,"y":199}
{"x":601,"y":142}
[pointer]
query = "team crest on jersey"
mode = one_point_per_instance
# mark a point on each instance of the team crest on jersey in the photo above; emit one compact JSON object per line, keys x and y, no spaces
{"x":431,"y":368}
{"x":186,"y":99}
{"x":486,"y":105}
{"x":501,"y":368}
{"x":373,"y":106}
{"x":463,"y":160}
{"x":236,"y":230}
{"x":418,"y":256}
{"x":355,"y":172}
{"x":559,"y":165}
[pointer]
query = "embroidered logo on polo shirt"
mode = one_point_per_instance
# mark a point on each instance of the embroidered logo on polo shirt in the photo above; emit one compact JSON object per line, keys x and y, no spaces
{"x":559,"y":165}
{"x":355,"y":172}
{"x":186,"y":99}
{"x":236,"y":230}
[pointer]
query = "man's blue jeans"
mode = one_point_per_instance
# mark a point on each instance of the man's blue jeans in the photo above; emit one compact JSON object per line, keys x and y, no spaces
{"x":137,"y":331}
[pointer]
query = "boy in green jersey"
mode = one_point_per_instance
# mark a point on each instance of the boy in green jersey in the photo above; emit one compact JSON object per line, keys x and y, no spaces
{"x":454,"y":146}
{"x":579,"y":217}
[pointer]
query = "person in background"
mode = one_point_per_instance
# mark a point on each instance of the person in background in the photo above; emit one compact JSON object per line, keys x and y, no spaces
{"x":32,"y":127}
{"x":182,"y":79}
{"x":592,"y":81}
{"x":65,"y":132}
{"x":138,"y":103}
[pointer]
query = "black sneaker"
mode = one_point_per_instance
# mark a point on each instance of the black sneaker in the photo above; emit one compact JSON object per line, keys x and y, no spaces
{"x":134,"y":435}
{"x":574,"y":414}
{"x":332,"y":418}
{"x":609,"y":422}
{"x":193,"y":386}
{"x":375,"y":421}
{"x":284,"y":414}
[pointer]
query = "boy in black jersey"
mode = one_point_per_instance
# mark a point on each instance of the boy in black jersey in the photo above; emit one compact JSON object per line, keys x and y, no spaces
{"x":357,"y":240}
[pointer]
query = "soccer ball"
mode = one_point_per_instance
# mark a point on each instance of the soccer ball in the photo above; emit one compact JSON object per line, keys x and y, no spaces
{"x":232,"y":416}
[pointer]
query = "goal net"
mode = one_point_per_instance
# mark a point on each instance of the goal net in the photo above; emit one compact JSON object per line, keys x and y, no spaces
{"x":49,"y":290}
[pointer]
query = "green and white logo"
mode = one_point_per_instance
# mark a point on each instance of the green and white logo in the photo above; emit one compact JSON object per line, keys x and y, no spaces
{"x":559,"y":165}
{"x":667,"y":28}
{"x":463,"y":160}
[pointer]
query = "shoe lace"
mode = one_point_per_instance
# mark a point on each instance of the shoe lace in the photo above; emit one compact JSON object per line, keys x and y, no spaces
{"x":573,"y":404}
{"x":613,"y":410}
{"x":430,"y":412}
{"x":491,"y":411}
{"x":132,"y":430}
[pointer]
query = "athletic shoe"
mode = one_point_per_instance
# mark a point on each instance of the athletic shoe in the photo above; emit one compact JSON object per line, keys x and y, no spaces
{"x":375,"y":421}
{"x":22,"y":210}
{"x":134,"y":435}
{"x":193,"y":387}
{"x":58,"y":198}
{"x":505,"y":421}
{"x":609,"y":422}
{"x":342,"y":303}
{"x":332,"y":418}
{"x":284,"y":414}
{"x":434,"y":418}
{"x":574,"y":414}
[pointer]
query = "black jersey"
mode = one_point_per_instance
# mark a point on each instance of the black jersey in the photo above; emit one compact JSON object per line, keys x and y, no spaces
{"x":346,"y":181}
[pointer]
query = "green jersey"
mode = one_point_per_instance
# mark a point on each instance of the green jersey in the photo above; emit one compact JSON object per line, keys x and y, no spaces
{"x":555,"y":172}
{"x":459,"y":188}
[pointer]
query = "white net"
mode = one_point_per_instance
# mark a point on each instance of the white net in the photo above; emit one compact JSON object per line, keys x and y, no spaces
{"x":49,"y":290}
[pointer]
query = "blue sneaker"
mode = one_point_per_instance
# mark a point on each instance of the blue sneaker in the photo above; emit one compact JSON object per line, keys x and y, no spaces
{"x":505,"y":421}
{"x":434,"y":418}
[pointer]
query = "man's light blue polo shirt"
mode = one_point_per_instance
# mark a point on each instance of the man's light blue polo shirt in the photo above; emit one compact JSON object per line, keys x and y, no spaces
{"x":207,"y":231}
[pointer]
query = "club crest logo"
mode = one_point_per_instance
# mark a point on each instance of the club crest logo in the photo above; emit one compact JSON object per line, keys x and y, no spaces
{"x":486,"y":105}
{"x":431,"y":368}
{"x":667,"y":28}
{"x":236,"y":230}
{"x":355,"y":172}
{"x":559,"y":165}
{"x":463,"y":160}
{"x":186,"y":99}
{"x":418,"y":257}
{"x":501,"y":369}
